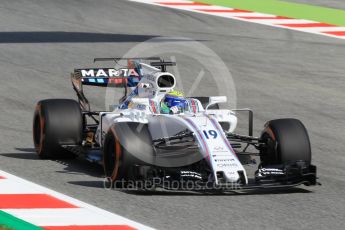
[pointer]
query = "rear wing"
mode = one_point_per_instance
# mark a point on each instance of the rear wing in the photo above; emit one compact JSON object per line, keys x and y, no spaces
{"x":111,"y":77}
{"x":103,"y":77}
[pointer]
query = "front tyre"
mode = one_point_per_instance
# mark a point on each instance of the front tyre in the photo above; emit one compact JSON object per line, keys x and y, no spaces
{"x":287,"y":141}
{"x":113,"y":159}
{"x":126,"y":145}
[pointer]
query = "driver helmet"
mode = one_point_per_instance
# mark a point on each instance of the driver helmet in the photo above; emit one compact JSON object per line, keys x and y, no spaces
{"x":173,"y":102}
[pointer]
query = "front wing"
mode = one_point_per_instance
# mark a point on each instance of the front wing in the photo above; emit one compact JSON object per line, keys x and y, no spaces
{"x":292,"y":175}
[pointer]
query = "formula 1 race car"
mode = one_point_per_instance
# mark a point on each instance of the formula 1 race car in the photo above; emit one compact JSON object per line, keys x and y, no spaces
{"x":189,"y":145}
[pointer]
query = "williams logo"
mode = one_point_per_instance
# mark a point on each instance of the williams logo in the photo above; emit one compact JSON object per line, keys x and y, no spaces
{"x":219,"y":149}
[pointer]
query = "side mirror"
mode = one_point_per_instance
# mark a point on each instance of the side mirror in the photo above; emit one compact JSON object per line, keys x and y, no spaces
{"x":145,"y":85}
{"x":216,"y":100}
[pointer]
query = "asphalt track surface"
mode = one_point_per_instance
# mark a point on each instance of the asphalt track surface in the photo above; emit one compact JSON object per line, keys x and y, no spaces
{"x":337,"y":4}
{"x":277,"y":72}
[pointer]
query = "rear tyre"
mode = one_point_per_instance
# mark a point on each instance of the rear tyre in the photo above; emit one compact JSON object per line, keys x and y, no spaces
{"x":287,"y":141}
{"x":56,"y":122}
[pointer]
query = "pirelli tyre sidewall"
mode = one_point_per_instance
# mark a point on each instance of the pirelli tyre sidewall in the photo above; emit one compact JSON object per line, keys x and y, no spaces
{"x":56,"y":122}
{"x":126,"y":144}
{"x":287,"y":141}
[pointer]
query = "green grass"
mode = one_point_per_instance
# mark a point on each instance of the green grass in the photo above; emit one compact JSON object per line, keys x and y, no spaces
{"x":2,"y":227}
{"x":9,"y":222}
{"x":281,"y":8}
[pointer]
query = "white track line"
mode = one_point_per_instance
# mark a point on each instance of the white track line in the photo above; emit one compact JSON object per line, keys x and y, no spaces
{"x":11,"y":187}
{"x":65,"y":217}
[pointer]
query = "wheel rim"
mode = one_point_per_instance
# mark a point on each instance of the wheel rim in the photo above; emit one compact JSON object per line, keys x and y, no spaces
{"x":110,"y":158}
{"x":37,"y":131}
{"x":270,"y":155}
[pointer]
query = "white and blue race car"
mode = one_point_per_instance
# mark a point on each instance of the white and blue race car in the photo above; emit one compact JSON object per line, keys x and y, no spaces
{"x":188,"y":144}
